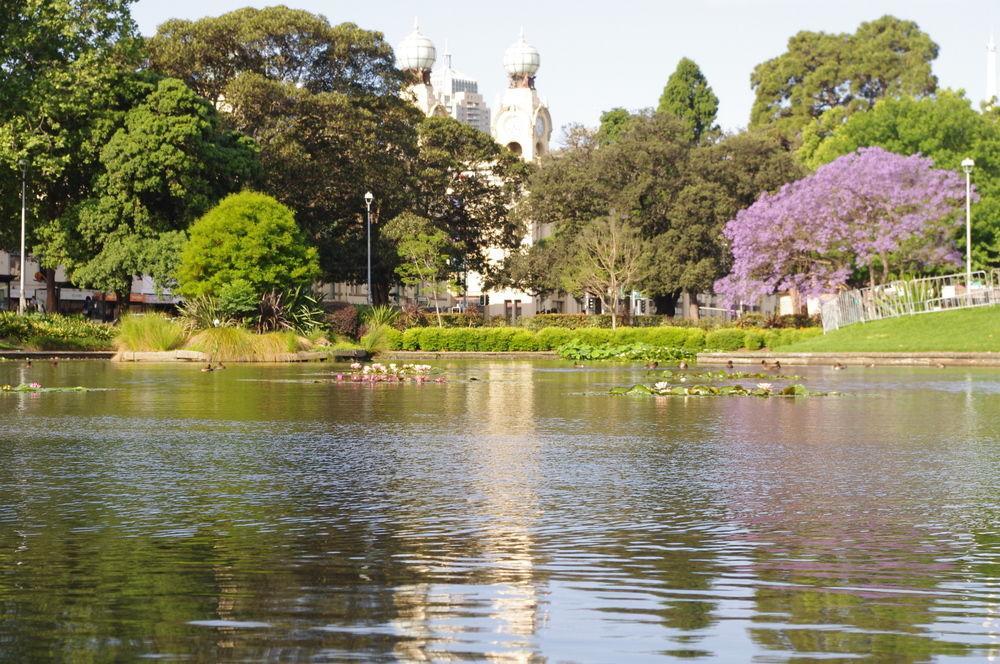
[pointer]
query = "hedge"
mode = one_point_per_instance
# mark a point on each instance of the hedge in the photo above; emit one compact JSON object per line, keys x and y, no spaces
{"x":508,"y":339}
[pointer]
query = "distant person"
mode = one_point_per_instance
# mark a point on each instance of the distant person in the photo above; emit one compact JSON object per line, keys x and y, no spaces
{"x":87,"y":304}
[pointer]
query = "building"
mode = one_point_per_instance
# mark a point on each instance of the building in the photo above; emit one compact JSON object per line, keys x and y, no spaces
{"x":521,"y":122}
{"x":459,"y":95}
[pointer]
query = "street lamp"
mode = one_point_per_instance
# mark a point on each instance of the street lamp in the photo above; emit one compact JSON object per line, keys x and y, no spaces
{"x":967,"y":165}
{"x":21,"y":302}
{"x":368,"y":206}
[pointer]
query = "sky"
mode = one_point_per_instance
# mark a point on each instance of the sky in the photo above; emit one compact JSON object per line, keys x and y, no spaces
{"x":600,"y":55}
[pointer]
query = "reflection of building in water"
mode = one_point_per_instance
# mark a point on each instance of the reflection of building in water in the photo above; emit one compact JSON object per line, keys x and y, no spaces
{"x":489,"y":581}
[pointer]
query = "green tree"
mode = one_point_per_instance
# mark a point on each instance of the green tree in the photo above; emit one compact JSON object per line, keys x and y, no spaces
{"x":424,"y":252}
{"x":166,"y":165}
{"x":323,"y":102}
{"x":248,"y":236}
{"x":68,"y":76}
{"x":944,"y":128}
{"x":820,"y":71}
{"x":613,"y":124}
{"x":688,"y":96}
{"x":467,"y":184}
{"x":609,"y":262}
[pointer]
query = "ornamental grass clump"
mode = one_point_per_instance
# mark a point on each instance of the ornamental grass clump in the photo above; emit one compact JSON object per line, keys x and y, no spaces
{"x":149,"y":332}
{"x":236,"y":344}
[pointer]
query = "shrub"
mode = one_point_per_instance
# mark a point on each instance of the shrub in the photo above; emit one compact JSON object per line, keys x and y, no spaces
{"x":55,"y":332}
{"x":202,"y":312}
{"x":295,"y":309}
{"x":381,"y":315}
{"x":376,"y":340}
{"x":725,"y":339}
{"x":248,"y":236}
{"x":753,"y":339}
{"x":342,"y":319}
{"x":149,"y":332}
{"x":238,"y":300}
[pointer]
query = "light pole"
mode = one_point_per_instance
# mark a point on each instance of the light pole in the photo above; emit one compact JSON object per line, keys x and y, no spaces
{"x":368,"y":206}
{"x":21,"y":302}
{"x":967,"y":165}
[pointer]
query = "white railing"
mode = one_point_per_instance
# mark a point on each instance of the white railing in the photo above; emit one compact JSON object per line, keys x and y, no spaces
{"x":915,"y":296}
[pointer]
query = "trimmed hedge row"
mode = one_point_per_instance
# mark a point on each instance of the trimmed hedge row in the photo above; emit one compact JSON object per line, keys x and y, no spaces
{"x":501,"y":339}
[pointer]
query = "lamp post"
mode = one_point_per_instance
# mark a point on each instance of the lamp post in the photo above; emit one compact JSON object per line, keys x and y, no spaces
{"x":21,"y":302}
{"x":967,"y":165}
{"x":368,"y":207}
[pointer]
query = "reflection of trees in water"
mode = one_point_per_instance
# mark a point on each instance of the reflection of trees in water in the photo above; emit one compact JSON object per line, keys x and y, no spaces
{"x":854,"y":554}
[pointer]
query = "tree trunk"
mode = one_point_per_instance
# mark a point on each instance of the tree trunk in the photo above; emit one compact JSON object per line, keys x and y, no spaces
{"x":666,"y":305}
{"x":51,"y":294}
{"x":693,"y":312}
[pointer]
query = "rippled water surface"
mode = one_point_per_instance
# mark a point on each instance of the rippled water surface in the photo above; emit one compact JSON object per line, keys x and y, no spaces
{"x":524,"y":516}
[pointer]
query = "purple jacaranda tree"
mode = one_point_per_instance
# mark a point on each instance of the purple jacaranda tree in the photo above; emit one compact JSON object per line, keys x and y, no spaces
{"x":870,"y":211}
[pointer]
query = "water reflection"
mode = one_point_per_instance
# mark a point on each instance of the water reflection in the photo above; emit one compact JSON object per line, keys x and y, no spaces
{"x":524,"y":516}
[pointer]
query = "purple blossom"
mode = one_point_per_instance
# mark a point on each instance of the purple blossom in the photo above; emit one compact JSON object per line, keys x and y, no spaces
{"x":861,"y":211}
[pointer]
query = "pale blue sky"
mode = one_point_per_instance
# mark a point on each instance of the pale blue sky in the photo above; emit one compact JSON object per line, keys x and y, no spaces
{"x":597,"y":55}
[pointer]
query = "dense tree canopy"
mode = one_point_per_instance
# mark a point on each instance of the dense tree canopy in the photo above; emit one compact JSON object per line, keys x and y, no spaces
{"x":679,"y":196}
{"x":821,"y":71}
{"x":250,"y":237}
{"x":944,"y":128}
{"x":166,"y":165}
{"x":870,"y":212}
{"x":688,"y":96}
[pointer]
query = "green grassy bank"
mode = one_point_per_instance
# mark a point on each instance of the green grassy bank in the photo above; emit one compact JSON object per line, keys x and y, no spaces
{"x":966,"y":330}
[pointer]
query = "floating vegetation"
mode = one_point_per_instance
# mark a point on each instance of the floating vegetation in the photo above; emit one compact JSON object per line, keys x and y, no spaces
{"x":35,"y":388}
{"x":685,"y":376}
{"x":664,"y":389}
{"x":391,"y":373}
{"x":577,"y":350}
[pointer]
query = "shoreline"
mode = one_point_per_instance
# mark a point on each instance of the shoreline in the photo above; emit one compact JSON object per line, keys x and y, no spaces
{"x":906,"y":359}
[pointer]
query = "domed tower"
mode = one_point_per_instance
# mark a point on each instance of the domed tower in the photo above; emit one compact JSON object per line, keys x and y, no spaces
{"x":522,"y":122}
{"x":415,"y":55}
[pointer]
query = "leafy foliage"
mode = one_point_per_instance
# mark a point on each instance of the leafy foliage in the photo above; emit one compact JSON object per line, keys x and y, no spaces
{"x":576,"y":350}
{"x":820,"y":71}
{"x":944,"y":128}
{"x":248,"y":236}
{"x":296,"y":310}
{"x":865,"y":210}
{"x":55,"y":332}
{"x":689,"y":97}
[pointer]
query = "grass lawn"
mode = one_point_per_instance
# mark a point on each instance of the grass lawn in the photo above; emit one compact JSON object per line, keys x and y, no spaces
{"x":969,"y":330}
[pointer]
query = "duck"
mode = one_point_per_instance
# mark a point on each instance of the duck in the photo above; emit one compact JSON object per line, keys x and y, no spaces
{"x":55,"y":362}
{"x":29,"y":364}
{"x":763,"y":363}
{"x":939,"y":365}
{"x":208,"y":368}
{"x":729,"y":364}
{"x":838,"y":366}
{"x":220,"y":365}
{"x":682,"y":365}
{"x":871,"y":365}
{"x":652,"y":365}
{"x":776,"y":366}
{"x":578,"y":365}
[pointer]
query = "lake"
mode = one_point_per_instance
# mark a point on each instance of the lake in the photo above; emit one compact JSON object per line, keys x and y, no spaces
{"x":265,"y":512}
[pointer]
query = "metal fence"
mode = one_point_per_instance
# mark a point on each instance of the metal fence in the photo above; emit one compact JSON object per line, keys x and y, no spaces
{"x":915,"y":296}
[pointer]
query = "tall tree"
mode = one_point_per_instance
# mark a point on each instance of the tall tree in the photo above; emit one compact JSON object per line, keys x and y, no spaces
{"x":424,"y":253}
{"x":609,"y":263}
{"x":165,"y":166}
{"x":688,"y":96}
{"x":67,"y":79}
{"x":944,"y":128}
{"x":820,"y":71}
{"x":869,"y":212}
{"x":466,"y":184}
